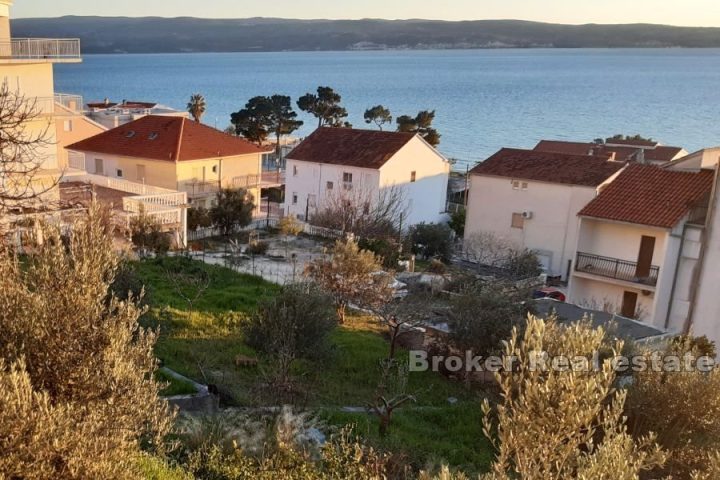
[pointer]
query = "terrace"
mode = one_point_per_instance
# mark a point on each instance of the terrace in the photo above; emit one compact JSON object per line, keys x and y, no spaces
{"x":617,"y":269}
{"x":34,"y":50}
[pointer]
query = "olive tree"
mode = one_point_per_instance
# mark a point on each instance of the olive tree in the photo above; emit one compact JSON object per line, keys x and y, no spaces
{"x":77,"y":394}
{"x":351,"y":275}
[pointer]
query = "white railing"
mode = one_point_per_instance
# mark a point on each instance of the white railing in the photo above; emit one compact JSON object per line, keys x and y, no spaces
{"x":40,"y":48}
{"x":168,"y":216}
{"x":70,"y":101}
{"x":76,"y":160}
{"x":154,"y":203}
{"x":120,"y":184}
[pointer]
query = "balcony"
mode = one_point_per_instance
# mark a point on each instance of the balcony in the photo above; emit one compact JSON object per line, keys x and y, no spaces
{"x":32,"y":50}
{"x":616,"y":269}
{"x":47,"y":105}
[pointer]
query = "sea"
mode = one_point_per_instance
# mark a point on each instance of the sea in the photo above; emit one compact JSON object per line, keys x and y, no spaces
{"x":484,"y":99}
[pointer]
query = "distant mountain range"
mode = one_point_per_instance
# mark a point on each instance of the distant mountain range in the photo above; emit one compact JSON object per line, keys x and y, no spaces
{"x":173,"y":35}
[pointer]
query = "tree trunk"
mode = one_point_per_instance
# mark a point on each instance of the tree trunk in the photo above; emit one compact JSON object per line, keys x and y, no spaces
{"x":393,"y":342}
{"x":384,"y":424}
{"x":341,"y":312}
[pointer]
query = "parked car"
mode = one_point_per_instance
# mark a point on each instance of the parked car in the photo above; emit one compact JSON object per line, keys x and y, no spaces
{"x":549,"y":292}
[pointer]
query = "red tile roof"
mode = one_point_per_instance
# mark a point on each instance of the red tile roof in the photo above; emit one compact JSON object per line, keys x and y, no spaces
{"x":167,"y":138}
{"x":650,"y":195}
{"x":622,"y":153}
{"x":583,"y":170}
{"x":350,"y":147}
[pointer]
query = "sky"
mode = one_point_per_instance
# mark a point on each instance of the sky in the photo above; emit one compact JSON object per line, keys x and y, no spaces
{"x":672,"y":12}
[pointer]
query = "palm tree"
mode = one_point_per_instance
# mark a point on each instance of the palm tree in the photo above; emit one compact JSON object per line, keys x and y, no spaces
{"x":196,"y":106}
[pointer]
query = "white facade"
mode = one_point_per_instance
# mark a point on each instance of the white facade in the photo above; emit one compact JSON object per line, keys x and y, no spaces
{"x":550,"y":222}
{"x":417,"y":169}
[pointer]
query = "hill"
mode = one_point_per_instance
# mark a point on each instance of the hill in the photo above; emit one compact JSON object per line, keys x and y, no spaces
{"x":174,"y":35}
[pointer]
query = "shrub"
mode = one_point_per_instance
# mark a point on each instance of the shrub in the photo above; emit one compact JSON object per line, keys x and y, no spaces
{"x":481,"y":318}
{"x":198,"y":217}
{"x":294,"y":325}
{"x":232,"y":209}
{"x":387,"y":250}
{"x":523,"y":264}
{"x":457,"y":222}
{"x":563,"y":423}
{"x":127,"y":285}
{"x":438,"y":267}
{"x":257,"y":247}
{"x":432,"y":240}
{"x":77,"y":395}
{"x":147,"y":235}
{"x":682,"y":408}
{"x":351,"y":275}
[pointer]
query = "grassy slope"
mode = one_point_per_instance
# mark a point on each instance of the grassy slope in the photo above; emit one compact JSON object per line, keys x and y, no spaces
{"x":203,"y":347}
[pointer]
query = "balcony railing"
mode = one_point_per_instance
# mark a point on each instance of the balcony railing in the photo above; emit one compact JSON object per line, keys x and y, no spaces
{"x":199,"y":188}
{"x":40,"y":49}
{"x":615,"y":268}
{"x":46,"y":105}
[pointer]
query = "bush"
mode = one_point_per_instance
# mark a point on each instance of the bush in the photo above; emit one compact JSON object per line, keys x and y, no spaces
{"x":147,"y":235}
{"x":387,"y":250}
{"x":258,"y":247}
{"x":483,"y":317}
{"x":128,"y":284}
{"x":432,"y":240}
{"x":457,"y":223}
{"x":198,"y":217}
{"x":294,"y":325}
{"x":523,"y":264}
{"x":438,"y":267}
{"x":77,"y":399}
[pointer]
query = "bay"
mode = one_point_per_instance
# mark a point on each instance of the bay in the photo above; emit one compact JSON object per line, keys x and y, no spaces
{"x":484,"y":99}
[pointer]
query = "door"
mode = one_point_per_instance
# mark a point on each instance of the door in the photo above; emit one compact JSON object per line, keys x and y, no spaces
{"x":99,"y":167}
{"x":645,"y":257}
{"x":629,"y":306}
{"x":141,"y":173}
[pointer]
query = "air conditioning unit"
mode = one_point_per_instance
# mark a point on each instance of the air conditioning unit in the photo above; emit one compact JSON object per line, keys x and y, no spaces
{"x":527,"y":215}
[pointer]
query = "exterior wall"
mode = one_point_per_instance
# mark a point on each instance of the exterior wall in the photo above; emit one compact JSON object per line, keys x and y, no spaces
{"x":622,"y":241}
{"x":181,"y":175}
{"x":706,"y":312}
{"x":427,"y":195}
{"x":71,"y":128}
{"x":303,"y":180}
{"x":552,"y":231}
{"x":34,"y":82}
{"x":608,"y":297}
{"x":681,"y":297}
{"x":110,"y":119}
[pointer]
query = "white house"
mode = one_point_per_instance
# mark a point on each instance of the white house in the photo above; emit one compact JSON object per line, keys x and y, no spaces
{"x":531,"y":199}
{"x":643,"y":246}
{"x":337,"y":161}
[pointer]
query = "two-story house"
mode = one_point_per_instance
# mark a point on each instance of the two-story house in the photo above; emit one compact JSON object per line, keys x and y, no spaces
{"x":641,"y":242}
{"x":531,"y":198}
{"x":180,"y":154}
{"x":335,"y":160}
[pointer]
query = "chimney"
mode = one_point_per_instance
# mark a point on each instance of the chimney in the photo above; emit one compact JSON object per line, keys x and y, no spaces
{"x":640,"y":155}
{"x":5,"y":19}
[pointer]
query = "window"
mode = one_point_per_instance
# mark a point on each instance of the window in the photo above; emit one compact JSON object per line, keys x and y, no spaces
{"x":516,"y":185}
{"x":99,"y":166}
{"x":68,"y":125}
{"x":215,"y":169}
{"x":518,"y":221}
{"x":295,"y":170}
{"x":294,"y":198}
{"x":153,"y":136}
{"x":130,"y":134}
{"x":524,"y":186}
{"x":413,"y":175}
{"x":330,"y":185}
{"x":119,"y":173}
{"x":347,"y":180}
{"x":140,"y":173}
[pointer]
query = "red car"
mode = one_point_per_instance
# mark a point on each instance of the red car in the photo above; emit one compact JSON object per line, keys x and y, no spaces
{"x":549,"y":292}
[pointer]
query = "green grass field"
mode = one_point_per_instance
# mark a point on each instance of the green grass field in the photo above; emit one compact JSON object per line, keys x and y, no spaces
{"x":204,"y":343}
